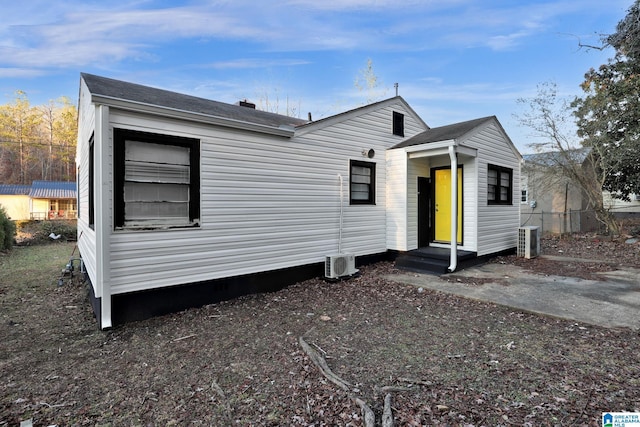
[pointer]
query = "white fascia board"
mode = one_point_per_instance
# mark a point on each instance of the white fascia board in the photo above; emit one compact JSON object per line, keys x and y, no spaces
{"x":428,"y":153}
{"x":122,"y":104}
{"x":467,"y":151}
{"x":430,"y":146}
{"x":439,"y":148}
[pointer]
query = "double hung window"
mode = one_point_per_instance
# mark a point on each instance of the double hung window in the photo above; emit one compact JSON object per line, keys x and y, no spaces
{"x":156,"y":180}
{"x":499,"y":185}
{"x":362,"y":183}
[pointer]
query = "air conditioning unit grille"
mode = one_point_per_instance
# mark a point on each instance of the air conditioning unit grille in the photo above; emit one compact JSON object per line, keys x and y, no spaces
{"x":339,"y":265}
{"x":528,"y":242}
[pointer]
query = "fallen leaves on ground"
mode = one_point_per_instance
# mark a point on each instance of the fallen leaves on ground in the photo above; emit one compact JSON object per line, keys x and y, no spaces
{"x":465,"y":363}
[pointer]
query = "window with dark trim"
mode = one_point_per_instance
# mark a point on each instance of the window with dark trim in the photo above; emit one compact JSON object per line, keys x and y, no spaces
{"x":499,"y":185}
{"x":398,"y":123}
{"x":91,"y":192}
{"x":362,"y":183}
{"x":156,"y":180}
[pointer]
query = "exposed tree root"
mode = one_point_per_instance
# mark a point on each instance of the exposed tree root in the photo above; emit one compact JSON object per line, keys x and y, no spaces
{"x":387,"y":413}
{"x":368,"y":415}
{"x":319,"y":361}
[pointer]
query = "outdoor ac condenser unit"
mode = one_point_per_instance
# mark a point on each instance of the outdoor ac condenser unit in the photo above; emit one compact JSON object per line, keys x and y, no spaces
{"x":339,"y":265}
{"x":528,"y":242}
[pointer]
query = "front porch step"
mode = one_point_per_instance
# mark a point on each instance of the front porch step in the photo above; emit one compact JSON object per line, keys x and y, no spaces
{"x":433,"y":260}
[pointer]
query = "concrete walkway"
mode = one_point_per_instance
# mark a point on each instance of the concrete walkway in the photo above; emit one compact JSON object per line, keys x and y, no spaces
{"x":613,"y":302}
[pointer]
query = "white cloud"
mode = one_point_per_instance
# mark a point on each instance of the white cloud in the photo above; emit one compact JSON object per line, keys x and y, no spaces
{"x":74,"y":35}
{"x":256,"y":63}
{"x":20,"y":72}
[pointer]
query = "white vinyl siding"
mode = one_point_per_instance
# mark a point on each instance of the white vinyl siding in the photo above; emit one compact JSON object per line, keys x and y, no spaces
{"x":86,"y":235}
{"x":497,"y":224}
{"x":396,"y":195}
{"x":267,"y":202}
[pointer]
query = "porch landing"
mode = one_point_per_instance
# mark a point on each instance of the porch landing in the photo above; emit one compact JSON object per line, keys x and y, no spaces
{"x":434,"y":260}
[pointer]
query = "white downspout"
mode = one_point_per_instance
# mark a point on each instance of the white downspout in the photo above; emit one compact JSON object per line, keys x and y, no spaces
{"x":454,"y":210}
{"x":341,"y":216}
{"x":102,"y":186}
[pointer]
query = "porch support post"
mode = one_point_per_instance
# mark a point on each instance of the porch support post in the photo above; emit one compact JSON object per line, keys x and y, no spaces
{"x":454,"y":210}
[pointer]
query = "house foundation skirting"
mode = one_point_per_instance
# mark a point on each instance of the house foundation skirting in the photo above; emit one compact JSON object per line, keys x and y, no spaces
{"x":146,"y":304}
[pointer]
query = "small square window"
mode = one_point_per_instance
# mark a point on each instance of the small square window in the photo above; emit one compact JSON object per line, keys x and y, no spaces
{"x":362,"y":183}
{"x":398,"y":123}
{"x":499,"y":185}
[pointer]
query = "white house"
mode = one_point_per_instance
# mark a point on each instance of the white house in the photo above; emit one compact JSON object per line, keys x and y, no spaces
{"x":185,"y":201}
{"x":622,"y":208}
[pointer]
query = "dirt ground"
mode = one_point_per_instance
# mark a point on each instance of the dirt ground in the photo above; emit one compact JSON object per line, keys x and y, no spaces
{"x":446,"y":360}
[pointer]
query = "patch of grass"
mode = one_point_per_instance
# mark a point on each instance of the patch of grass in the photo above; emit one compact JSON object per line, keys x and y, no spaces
{"x":27,"y":268}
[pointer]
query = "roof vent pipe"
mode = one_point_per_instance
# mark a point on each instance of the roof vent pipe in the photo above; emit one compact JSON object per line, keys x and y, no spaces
{"x":247,"y":104}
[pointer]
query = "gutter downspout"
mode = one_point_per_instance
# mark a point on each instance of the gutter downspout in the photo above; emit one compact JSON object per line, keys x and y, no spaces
{"x":454,"y":210}
{"x":104,"y":177}
{"x":341,"y":217}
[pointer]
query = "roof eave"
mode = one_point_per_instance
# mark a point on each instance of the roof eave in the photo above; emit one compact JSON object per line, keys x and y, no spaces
{"x":429,"y":149}
{"x":128,"y":105}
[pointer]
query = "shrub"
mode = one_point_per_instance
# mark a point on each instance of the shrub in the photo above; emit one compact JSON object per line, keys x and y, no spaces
{"x":7,"y":231}
{"x":35,"y":232}
{"x":67,"y":229}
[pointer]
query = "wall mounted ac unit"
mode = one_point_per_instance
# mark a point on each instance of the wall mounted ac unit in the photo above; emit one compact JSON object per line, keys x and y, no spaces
{"x":528,"y":242}
{"x":339,"y":265}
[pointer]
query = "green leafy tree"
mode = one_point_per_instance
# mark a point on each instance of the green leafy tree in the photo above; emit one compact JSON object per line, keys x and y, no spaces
{"x":608,"y":116}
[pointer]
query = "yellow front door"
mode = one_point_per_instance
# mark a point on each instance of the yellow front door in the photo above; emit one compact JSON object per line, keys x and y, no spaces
{"x":442,"y":184}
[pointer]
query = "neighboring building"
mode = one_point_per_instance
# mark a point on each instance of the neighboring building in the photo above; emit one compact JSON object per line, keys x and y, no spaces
{"x":42,"y":200}
{"x":622,"y":208}
{"x":549,"y":199}
{"x":184,"y":201}
{"x":14,"y":198}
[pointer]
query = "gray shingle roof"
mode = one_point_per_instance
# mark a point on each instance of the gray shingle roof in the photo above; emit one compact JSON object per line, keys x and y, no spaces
{"x":444,"y":133}
{"x":53,"y":190}
{"x":556,"y":158}
{"x":159,"y":97}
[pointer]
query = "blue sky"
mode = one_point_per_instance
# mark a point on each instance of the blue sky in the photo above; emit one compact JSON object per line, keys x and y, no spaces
{"x":454,"y":60}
